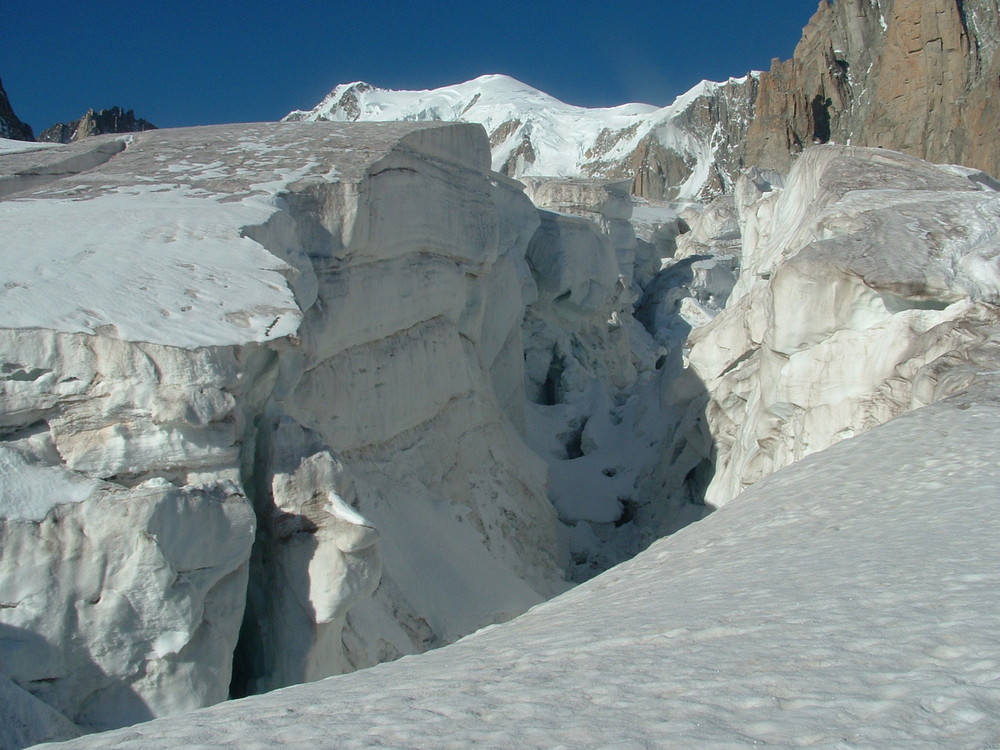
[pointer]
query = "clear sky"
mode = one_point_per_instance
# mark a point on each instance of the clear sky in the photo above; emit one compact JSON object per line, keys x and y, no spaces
{"x":190,"y":62}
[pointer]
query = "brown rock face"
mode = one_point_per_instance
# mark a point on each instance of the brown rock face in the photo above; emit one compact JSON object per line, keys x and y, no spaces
{"x":919,"y":76}
{"x":717,"y":118}
{"x":722,"y":121}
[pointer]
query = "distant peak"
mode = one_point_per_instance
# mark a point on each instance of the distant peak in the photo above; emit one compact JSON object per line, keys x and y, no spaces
{"x":501,"y":82}
{"x":499,"y":78}
{"x":357,"y":86}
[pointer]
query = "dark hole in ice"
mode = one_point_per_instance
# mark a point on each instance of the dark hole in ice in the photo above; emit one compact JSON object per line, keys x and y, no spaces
{"x":574,"y":442}
{"x":821,"y":118}
{"x":629,"y":508}
{"x":551,"y":388}
{"x":698,"y":479}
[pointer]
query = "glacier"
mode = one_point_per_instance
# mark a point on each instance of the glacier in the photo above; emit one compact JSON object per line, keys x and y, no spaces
{"x":241,"y":367}
{"x":283,"y":401}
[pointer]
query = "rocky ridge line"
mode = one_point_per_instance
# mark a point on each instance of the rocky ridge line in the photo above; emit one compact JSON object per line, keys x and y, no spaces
{"x":102,"y":122}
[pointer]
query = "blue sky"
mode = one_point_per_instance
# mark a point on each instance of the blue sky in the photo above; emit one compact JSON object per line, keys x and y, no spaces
{"x":190,"y":62}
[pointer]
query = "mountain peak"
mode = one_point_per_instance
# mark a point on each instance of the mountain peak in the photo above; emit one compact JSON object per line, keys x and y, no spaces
{"x":533,"y":134}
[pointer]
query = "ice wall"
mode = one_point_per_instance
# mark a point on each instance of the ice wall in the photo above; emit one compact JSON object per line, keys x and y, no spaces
{"x":868,"y":287}
{"x":261,"y":393}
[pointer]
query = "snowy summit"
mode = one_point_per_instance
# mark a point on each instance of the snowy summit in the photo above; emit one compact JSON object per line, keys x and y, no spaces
{"x":533,"y":134}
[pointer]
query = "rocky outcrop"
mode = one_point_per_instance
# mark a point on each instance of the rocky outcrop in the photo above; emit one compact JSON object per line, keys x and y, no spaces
{"x":105,"y":121}
{"x":10,"y":125}
{"x":716,"y":117}
{"x":869,"y":286}
{"x":917,"y":76}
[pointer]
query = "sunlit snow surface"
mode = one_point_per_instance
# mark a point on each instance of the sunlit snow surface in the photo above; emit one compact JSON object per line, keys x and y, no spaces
{"x":150,"y":230}
{"x":8,"y":146}
{"x":847,"y":601}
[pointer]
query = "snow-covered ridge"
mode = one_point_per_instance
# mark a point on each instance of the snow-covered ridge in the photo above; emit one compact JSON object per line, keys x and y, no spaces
{"x":533,"y":134}
{"x":491,"y":92}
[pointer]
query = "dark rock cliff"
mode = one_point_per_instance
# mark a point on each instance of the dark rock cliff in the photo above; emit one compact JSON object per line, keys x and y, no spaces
{"x":10,"y":126}
{"x":113,"y":120}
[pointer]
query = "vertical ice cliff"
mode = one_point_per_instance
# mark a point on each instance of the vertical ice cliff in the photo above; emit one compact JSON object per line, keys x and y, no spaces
{"x":868,"y":286}
{"x":253,"y":374}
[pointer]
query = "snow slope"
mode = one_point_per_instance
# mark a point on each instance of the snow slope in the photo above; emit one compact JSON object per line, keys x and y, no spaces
{"x":846,"y":601}
{"x":8,"y":146}
{"x":533,"y":134}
